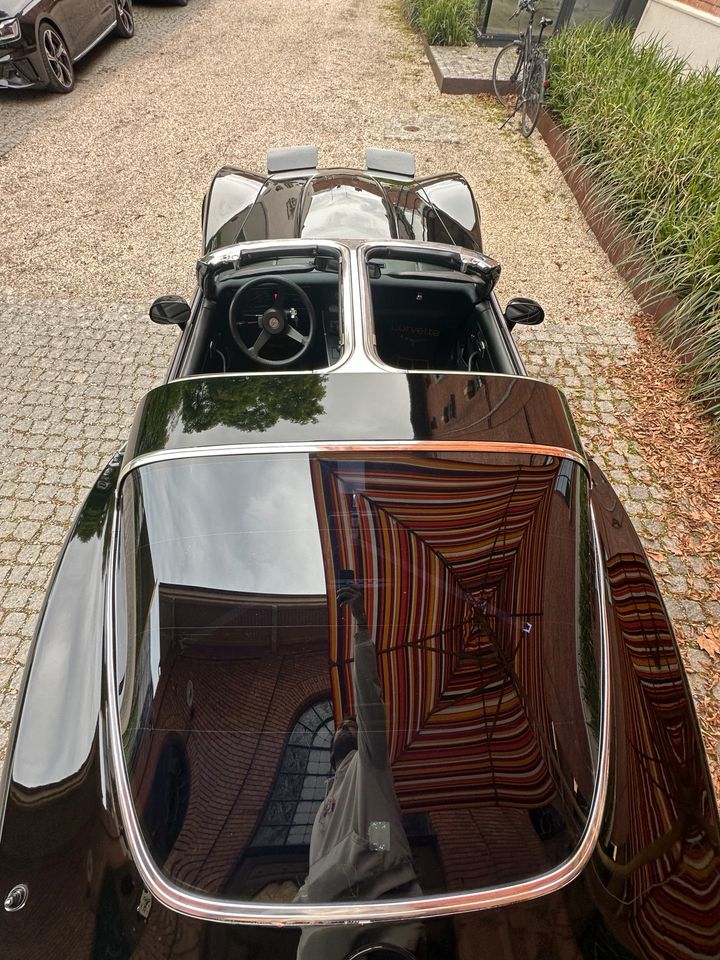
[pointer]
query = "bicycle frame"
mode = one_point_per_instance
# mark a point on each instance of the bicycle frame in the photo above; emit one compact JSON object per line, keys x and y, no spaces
{"x":529,"y":68}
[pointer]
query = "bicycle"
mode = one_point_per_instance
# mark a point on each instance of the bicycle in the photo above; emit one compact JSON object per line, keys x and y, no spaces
{"x":520,"y":71}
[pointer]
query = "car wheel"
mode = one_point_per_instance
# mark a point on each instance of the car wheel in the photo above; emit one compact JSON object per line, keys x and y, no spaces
{"x":507,"y":75}
{"x":180,"y":3}
{"x":57,"y":60}
{"x":125,"y":18}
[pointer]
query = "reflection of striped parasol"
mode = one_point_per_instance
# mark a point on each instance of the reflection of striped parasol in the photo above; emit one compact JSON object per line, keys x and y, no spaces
{"x":664,"y":879}
{"x":451,"y":555}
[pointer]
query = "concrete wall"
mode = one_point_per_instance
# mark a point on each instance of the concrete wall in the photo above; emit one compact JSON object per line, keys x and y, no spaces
{"x":692,"y":30}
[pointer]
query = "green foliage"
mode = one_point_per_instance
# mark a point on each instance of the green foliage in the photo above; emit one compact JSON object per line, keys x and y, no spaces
{"x":646,"y":128}
{"x":443,"y":22}
{"x":254,"y":404}
{"x":248,"y":404}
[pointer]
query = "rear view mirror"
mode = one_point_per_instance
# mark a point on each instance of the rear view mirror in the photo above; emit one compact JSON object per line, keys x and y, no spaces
{"x":170,"y":309}
{"x":523,"y":310}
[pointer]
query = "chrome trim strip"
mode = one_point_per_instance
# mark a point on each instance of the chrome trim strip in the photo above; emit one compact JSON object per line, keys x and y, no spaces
{"x":410,"y":247}
{"x":227,"y":255}
{"x":212,"y":908}
{"x":368,"y":446}
{"x":96,"y":41}
{"x":345,"y":297}
{"x":183,"y":341}
{"x":372,"y":366}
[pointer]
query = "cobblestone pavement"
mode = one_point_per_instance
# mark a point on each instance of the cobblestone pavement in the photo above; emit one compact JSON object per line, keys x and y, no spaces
{"x":62,"y":417}
{"x":101,"y":196}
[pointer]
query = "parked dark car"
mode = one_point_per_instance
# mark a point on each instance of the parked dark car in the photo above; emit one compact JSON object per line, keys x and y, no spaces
{"x":41,"y":41}
{"x":352,"y":651}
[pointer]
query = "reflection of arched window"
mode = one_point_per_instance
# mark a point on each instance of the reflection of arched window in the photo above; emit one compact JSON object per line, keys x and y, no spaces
{"x":166,"y":806}
{"x":300,"y":785}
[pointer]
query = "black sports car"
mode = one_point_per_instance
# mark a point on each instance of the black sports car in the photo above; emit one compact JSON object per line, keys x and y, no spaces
{"x":41,"y":41}
{"x":352,"y":651}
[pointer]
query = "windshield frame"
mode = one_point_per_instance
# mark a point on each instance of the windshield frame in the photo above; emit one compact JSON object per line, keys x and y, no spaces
{"x":205,"y":907}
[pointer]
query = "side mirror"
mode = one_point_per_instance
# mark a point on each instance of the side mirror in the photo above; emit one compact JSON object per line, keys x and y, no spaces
{"x":170,"y":309}
{"x":523,"y":310}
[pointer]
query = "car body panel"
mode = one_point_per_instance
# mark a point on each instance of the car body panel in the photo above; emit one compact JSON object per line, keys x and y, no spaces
{"x":648,"y":886}
{"x":650,"y":890}
{"x":82,"y":24}
{"x":311,"y":408}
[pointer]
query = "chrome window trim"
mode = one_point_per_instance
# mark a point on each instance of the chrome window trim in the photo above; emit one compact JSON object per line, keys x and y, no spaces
{"x":358,"y":447}
{"x":409,"y":248}
{"x":226,"y":255}
{"x":203,"y":907}
{"x":371,"y":366}
{"x":506,"y":334}
{"x":183,"y":342}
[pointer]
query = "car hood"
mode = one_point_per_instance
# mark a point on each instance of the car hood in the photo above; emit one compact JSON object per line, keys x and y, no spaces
{"x":13,"y":8}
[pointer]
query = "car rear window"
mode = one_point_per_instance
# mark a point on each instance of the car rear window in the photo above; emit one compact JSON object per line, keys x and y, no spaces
{"x":357,"y":677}
{"x":345,"y":208}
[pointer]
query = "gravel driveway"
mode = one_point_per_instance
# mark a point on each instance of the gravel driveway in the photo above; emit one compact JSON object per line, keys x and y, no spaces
{"x":101,"y":194}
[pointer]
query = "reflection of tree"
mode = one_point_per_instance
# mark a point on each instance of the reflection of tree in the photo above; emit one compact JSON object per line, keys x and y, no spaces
{"x":159,"y":416}
{"x":253,"y":404}
{"x":250,"y":404}
{"x":91,"y":521}
{"x":93,"y":515}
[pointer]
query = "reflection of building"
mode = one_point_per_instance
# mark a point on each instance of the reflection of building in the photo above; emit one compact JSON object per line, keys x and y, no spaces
{"x":236,"y":673}
{"x":491,"y":739}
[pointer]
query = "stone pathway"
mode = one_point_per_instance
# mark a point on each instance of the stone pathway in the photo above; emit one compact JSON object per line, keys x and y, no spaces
{"x":463,"y":69}
{"x":109,"y":218}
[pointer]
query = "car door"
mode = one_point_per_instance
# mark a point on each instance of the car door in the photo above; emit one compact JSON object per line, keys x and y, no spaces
{"x":78,"y":22}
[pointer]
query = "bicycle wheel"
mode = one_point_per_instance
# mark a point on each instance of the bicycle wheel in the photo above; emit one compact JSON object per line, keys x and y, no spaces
{"x":507,"y":74}
{"x":534,"y":95}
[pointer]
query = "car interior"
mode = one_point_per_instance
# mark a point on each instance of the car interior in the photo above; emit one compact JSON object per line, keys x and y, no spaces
{"x":274,"y":312}
{"x":429,"y":316}
{"x":284,"y":312}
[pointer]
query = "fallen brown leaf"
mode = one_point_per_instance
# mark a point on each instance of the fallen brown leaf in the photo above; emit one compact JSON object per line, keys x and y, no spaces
{"x":709,"y":641}
{"x":656,"y":556}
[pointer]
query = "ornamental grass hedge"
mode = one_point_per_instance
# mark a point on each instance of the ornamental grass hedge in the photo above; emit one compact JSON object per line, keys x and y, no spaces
{"x":647,"y":130}
{"x":443,"y":22}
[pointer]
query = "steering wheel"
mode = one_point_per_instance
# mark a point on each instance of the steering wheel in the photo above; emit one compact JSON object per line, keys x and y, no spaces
{"x":276,"y":325}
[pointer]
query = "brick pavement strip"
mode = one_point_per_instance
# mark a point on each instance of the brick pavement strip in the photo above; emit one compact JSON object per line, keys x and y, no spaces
{"x":111,"y":216}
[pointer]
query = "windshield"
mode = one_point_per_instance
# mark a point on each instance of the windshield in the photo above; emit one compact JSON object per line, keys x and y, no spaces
{"x":357,"y":677}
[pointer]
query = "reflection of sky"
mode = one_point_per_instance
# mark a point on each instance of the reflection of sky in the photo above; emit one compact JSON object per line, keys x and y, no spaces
{"x":450,"y":197}
{"x":234,"y":523}
{"x":346,"y":213}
